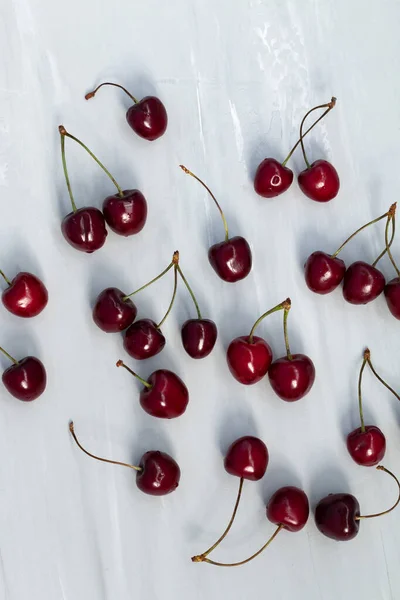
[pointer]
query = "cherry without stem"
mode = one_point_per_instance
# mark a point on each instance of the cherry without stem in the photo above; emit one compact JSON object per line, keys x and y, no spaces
{"x":26,"y":295}
{"x":26,"y":379}
{"x":147,"y":117}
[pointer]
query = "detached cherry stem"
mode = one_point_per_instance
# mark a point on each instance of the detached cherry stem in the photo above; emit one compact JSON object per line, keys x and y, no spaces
{"x":185,"y":170}
{"x":385,"y":512}
{"x":203,"y":557}
{"x":106,"y":460}
{"x":328,"y":106}
{"x":121,"y":363}
{"x":190,"y":292}
{"x":280,"y":306}
{"x":5,"y":278}
{"x":242,"y":562}
{"x":379,"y":378}
{"x":92,"y":94}
{"x":360,"y":407}
{"x":286,"y":307}
{"x":64,"y":133}
{"x":175,"y":260}
{"x":172,"y":299}
{"x":9,"y":356}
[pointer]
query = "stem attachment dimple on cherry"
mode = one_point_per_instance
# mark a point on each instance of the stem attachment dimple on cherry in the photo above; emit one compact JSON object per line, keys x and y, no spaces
{"x":385,"y":512}
{"x":121,"y":363}
{"x":92,"y":94}
{"x":286,"y":307}
{"x":8,"y":282}
{"x":281,"y":306}
{"x":9,"y":356}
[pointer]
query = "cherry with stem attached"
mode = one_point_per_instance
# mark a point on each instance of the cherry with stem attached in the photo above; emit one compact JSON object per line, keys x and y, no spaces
{"x":292,"y":376}
{"x":147,"y":117}
{"x":338,"y":517}
{"x":26,"y":378}
{"x":273,"y":178}
{"x":26,"y":295}
{"x":164,"y":395}
{"x":157,"y":473}
{"x":392,"y":288}
{"x":231,"y":259}
{"x":249,"y":356}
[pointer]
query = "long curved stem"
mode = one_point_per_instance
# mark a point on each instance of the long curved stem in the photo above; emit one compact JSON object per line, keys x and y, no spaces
{"x":212,"y":196}
{"x":285,"y":331}
{"x":9,"y":356}
{"x":389,"y":252}
{"x":106,"y":460}
{"x":172,"y":299}
{"x":202,"y":557}
{"x":382,"y":254}
{"x":379,"y":378}
{"x":329,"y":107}
{"x":64,"y":133}
{"x":174,"y":261}
{"x":65,"y":169}
{"x":5,"y":278}
{"x":385,"y":512}
{"x":190,"y":292}
{"x":358,"y":231}
{"x":331,"y":104}
{"x":280,"y":306}
{"x":121,"y":363}
{"x":243,"y":562}
{"x":360,"y":407}
{"x":92,"y":94}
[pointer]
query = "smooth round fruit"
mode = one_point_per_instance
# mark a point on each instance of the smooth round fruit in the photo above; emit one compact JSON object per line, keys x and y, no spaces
{"x":247,"y":457}
{"x":323,"y":273}
{"x":113,"y":312}
{"x":160,"y":474}
{"x":272,"y":178}
{"x":231,"y":260}
{"x":248,"y":361}
{"x":85,"y":229}
{"x":366,"y":448}
{"x":143,"y":339}
{"x":25,"y":380}
{"x":148,"y":118}
{"x":26,"y":297}
{"x":167,"y":398}
{"x":392,"y":295}
{"x":126,"y":215}
{"x":362,"y":283}
{"x":292,"y":379}
{"x":320,"y":182}
{"x":289,"y":507}
{"x":199,"y":337}
{"x":335,"y":516}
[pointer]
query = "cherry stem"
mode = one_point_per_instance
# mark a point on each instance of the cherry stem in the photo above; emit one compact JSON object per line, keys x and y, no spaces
{"x":243,"y":562}
{"x":92,"y":94}
{"x":64,"y":164}
{"x":175,"y":260}
{"x":385,"y":512}
{"x":286,"y":309}
{"x":382,"y":254}
{"x":121,"y":363}
{"x":190,"y":291}
{"x":387,"y":386}
{"x":172,"y":299}
{"x":202,"y":557}
{"x":358,"y":231}
{"x":64,"y":133}
{"x":9,"y":356}
{"x":212,"y":196}
{"x":280,"y":306}
{"x":5,"y":278}
{"x":388,"y":245}
{"x":360,"y":407}
{"x":106,"y":460}
{"x":329,"y":107}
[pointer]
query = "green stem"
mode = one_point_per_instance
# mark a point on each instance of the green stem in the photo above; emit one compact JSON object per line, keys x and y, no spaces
{"x":5,"y":278}
{"x":171,"y":264}
{"x":212,"y":196}
{"x":285,"y":331}
{"x":388,"y":245}
{"x":64,"y":133}
{"x":280,"y":306}
{"x":190,"y":292}
{"x":172,"y":299}
{"x":385,"y":512}
{"x":120,"y":363}
{"x":64,"y":164}
{"x":379,"y":378}
{"x":358,"y":231}
{"x":360,"y":407}
{"x":92,"y":94}
{"x":9,"y":356}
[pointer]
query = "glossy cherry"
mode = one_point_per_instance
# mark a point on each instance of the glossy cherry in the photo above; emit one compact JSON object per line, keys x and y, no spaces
{"x":288,"y":507}
{"x":231,"y":259}
{"x":147,"y":117}
{"x":362,"y":283}
{"x":113,"y":311}
{"x":157,"y":473}
{"x":26,"y":295}
{"x":319,"y":181}
{"x":26,"y":378}
{"x":143,"y":339}
{"x":199,"y":337}
{"x":392,"y":295}
{"x":164,"y":394}
{"x":323,"y":272}
{"x":247,"y":458}
{"x":125,"y":214}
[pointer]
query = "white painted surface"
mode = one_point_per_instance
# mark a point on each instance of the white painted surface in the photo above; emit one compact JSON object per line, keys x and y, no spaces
{"x":236,"y":77}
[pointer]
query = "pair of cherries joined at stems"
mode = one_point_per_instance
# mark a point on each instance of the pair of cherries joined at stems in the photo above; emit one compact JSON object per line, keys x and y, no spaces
{"x":319,"y":181}
{"x":250,"y":358}
{"x":362,"y":282}
{"x":114,"y":311}
{"x":26,"y":378}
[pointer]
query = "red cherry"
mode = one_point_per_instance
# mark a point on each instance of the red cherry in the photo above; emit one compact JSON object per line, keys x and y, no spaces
{"x":366,"y":447}
{"x":160,"y":474}
{"x":292,"y":378}
{"x":85,"y":229}
{"x":392,"y":295}
{"x":26,"y":295}
{"x":320,"y":181}
{"x":113,"y":311}
{"x":232,"y":259}
{"x":337,"y":516}
{"x":143,"y":339}
{"x":26,"y":379}
{"x":247,"y":458}
{"x":289,"y":508}
{"x":323,"y":272}
{"x":199,"y":337}
{"x":362,"y":283}
{"x":126,"y":214}
{"x":248,"y":361}
{"x":272,"y":178}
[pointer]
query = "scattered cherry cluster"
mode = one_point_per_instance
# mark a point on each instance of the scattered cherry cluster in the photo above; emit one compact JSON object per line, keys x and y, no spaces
{"x":249,"y":357}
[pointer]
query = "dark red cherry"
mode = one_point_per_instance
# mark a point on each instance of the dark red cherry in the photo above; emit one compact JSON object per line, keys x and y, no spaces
{"x":362,"y":283}
{"x":167,"y":397}
{"x":289,"y":507}
{"x":323,"y":273}
{"x":143,"y":339}
{"x":248,"y":361}
{"x":247,"y":457}
{"x":160,"y":473}
{"x":26,"y":295}
{"x":231,"y":260}
{"x":368,"y":447}
{"x":85,"y":229}
{"x":148,"y":118}
{"x":113,"y":311}
{"x":392,"y":295}
{"x":272,"y":178}
{"x":291,"y":379}
{"x":126,"y":215}
{"x":25,"y":380}
{"x":336,"y":516}
{"x":199,"y":337}
{"x":320,"y":181}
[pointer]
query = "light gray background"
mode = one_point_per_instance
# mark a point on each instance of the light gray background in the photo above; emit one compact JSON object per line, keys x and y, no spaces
{"x":236,"y":78}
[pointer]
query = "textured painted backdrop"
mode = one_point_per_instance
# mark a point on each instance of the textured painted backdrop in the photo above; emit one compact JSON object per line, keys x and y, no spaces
{"x":236,"y":77}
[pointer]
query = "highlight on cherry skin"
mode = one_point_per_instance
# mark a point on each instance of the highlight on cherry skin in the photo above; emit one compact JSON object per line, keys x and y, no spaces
{"x":147,"y":117}
{"x":26,"y":378}
{"x":231,"y":259}
{"x":26,"y":295}
{"x":338,"y":517}
{"x":164,"y":395}
{"x":157,"y":473}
